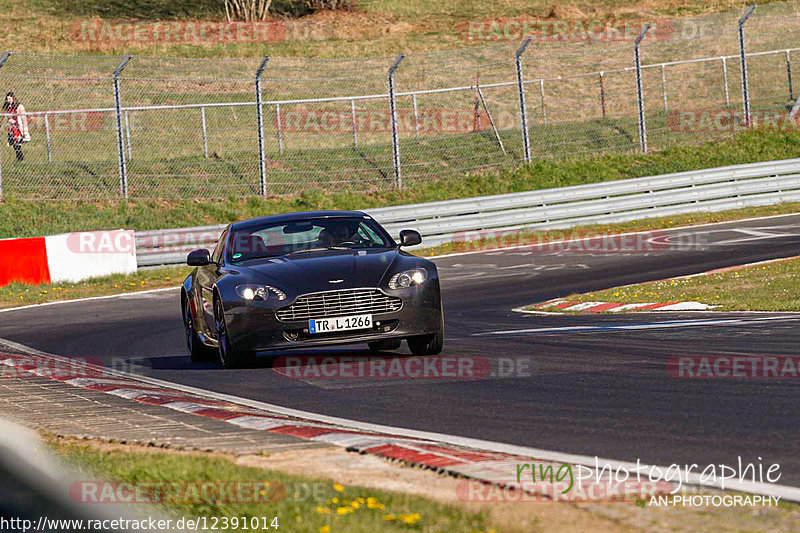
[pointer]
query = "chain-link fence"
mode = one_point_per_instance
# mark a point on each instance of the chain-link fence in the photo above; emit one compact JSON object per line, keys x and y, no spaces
{"x":140,"y":127}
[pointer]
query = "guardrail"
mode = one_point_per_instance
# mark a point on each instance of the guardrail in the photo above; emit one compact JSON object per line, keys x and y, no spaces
{"x":715,"y":189}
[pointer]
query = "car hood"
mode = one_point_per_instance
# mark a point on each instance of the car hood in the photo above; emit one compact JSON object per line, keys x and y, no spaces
{"x":324,"y":271}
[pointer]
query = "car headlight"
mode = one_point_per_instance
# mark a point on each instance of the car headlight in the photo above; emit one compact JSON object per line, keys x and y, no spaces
{"x":407,"y":278}
{"x":259,"y":292}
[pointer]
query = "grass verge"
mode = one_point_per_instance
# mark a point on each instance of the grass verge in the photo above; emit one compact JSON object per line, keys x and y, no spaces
{"x":19,"y":294}
{"x":329,"y":507}
{"x":28,"y":218}
{"x":768,"y":287}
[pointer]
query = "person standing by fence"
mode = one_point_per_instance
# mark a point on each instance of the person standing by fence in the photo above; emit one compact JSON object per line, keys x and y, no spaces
{"x":17,"y":124}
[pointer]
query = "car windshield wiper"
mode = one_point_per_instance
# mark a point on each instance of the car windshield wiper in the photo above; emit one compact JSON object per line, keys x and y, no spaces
{"x":322,"y":249}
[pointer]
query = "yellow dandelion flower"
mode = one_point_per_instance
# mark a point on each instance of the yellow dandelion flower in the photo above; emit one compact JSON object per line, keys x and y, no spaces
{"x":355,"y":505}
{"x":325,"y":529}
{"x":334,"y":500}
{"x":344,"y":510}
{"x":323,"y":510}
{"x":338,"y":488}
{"x":389,"y":517}
{"x":360,"y":500}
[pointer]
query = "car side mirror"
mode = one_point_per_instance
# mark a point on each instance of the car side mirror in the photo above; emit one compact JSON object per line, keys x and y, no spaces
{"x":410,"y":237}
{"x":198,"y":258}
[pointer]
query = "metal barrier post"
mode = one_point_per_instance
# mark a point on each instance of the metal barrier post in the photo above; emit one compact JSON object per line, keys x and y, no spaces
{"x":541,"y":94}
{"x":128,"y":134}
{"x":640,"y":91}
{"x":47,"y":136}
{"x":526,"y":143}
{"x":262,"y":163}
{"x":416,"y":116}
{"x":745,"y":88}
{"x":353,"y":120}
{"x":664,"y":87}
{"x":205,"y":131}
{"x":123,"y":169}
{"x":789,"y":75}
{"x":603,"y":93}
{"x":393,"y":105}
{"x":3,"y":58}
{"x":725,"y":81}
{"x":280,"y":127}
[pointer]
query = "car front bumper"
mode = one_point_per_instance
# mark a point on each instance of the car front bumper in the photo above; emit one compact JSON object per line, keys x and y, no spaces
{"x":254,"y":326}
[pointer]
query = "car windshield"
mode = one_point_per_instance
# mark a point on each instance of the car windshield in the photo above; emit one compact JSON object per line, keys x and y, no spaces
{"x":307,"y":235}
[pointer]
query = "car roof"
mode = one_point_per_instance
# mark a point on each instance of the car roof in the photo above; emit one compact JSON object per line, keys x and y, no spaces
{"x":288,"y":217}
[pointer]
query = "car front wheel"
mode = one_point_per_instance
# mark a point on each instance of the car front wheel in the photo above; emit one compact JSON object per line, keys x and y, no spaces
{"x":228,"y":356}
{"x":198,"y":352}
{"x":430,"y":344}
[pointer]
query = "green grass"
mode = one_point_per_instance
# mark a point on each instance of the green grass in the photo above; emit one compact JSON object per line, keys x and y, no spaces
{"x":19,"y":294}
{"x":29,"y":218}
{"x":364,"y":510}
{"x":770,"y":287}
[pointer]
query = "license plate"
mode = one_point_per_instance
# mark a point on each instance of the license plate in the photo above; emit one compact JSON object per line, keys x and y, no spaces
{"x":342,"y":323}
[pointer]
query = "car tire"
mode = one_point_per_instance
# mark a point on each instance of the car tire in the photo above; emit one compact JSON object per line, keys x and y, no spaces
{"x":198,"y":352}
{"x":430,"y":344}
{"x":229,"y":357}
{"x":384,"y":345}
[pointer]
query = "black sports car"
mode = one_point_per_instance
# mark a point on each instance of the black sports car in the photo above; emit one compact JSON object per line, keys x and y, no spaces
{"x":310,"y":279}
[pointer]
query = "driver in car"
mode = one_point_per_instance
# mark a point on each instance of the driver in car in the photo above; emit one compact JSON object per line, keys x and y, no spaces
{"x":338,"y":233}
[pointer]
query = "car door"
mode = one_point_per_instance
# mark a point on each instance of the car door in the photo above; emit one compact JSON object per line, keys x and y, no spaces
{"x":207,"y":276}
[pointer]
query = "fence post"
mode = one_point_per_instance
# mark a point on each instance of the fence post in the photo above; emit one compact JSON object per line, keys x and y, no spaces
{"x":725,"y":80}
{"x":789,"y":75}
{"x":603,"y":93}
{"x":47,"y":136}
{"x":526,"y":143}
{"x":3,"y":58}
{"x":205,"y":131}
{"x":262,"y":163}
{"x":664,"y":87}
{"x":353,"y":120}
{"x":745,"y":88}
{"x":123,"y":169}
{"x":393,"y":105}
{"x":280,"y":127}
{"x":541,"y":93}
{"x":416,"y":116}
{"x":128,"y":134}
{"x":640,"y":91}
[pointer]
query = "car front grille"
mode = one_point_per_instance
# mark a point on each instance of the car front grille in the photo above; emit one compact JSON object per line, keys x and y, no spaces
{"x":339,"y":303}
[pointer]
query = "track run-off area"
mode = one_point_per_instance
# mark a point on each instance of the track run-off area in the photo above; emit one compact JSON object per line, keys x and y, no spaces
{"x":591,"y":385}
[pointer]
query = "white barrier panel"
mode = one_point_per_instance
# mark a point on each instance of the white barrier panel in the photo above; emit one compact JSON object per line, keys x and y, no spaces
{"x":78,"y":256}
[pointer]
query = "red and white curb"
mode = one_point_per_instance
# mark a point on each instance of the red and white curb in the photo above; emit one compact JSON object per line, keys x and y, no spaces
{"x":483,"y":461}
{"x":469,"y":462}
{"x":563,"y":305}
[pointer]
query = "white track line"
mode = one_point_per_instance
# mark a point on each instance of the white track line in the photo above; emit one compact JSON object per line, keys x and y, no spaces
{"x":640,"y":326}
{"x":768,"y":489}
{"x":87,"y":299}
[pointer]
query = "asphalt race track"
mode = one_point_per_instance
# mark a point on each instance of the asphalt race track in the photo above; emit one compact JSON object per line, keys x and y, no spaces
{"x":601,"y":391}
